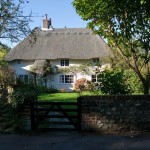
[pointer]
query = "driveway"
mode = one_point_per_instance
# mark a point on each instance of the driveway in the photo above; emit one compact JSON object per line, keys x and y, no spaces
{"x":73,"y":141}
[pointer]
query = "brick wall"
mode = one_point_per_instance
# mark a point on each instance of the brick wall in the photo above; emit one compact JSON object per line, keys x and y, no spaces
{"x":115,"y":114}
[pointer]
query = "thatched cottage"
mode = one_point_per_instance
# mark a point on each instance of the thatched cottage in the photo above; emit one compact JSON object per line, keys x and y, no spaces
{"x":50,"y":53}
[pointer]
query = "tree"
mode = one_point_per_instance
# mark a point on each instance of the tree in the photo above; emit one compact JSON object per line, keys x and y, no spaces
{"x":125,"y":24}
{"x":7,"y":75}
{"x":3,"y":51}
{"x":7,"y":78}
{"x":13,"y":24}
{"x":131,"y":79}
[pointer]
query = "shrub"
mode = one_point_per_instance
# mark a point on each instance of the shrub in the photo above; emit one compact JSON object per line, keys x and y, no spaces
{"x":52,"y":90}
{"x":113,"y":82}
{"x":7,"y":78}
{"x":9,"y":118}
{"x":133,"y":81}
{"x":23,"y":93}
{"x":82,"y":85}
{"x":62,"y":90}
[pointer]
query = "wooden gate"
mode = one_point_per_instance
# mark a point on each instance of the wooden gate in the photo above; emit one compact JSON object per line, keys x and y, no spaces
{"x":47,"y":116}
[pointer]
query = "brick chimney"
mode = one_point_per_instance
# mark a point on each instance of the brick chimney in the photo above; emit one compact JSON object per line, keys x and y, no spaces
{"x":47,"y":25}
{"x":45,"y":22}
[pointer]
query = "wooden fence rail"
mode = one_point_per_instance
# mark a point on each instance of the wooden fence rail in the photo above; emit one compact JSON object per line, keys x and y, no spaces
{"x":55,"y":116}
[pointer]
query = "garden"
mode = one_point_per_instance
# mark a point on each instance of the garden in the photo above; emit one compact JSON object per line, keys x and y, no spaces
{"x":129,"y":72}
{"x":111,"y":82}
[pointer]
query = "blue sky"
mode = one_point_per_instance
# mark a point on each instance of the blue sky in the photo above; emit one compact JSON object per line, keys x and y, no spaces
{"x":61,"y":12}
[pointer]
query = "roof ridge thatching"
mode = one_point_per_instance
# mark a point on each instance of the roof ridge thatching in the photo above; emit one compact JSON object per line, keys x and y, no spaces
{"x":72,"y":43}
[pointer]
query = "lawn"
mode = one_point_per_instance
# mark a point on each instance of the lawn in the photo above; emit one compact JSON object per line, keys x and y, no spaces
{"x":60,"y":96}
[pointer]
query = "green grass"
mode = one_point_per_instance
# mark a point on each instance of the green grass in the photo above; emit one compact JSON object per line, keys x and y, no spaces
{"x":71,"y":97}
{"x":60,"y":96}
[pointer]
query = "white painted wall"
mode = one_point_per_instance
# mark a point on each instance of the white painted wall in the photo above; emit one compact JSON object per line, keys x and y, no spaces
{"x":66,"y":86}
{"x":20,"y":66}
{"x":53,"y":80}
{"x":56,"y":62}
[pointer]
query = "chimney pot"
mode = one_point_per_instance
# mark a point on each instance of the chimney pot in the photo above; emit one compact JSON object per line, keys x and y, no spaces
{"x":45,"y":16}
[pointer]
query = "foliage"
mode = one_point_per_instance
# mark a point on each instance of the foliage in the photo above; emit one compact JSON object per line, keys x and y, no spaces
{"x":75,"y":69}
{"x":23,"y":93}
{"x":62,"y":90}
{"x":44,"y":89}
{"x":112,"y":82}
{"x":3,"y":51}
{"x":13,"y":24}
{"x":44,"y":68}
{"x":126,"y":26}
{"x":9,"y":121}
{"x":7,"y":75}
{"x":131,"y":79}
{"x":7,"y":78}
{"x":133,"y":82}
{"x":40,"y":71}
{"x":82,"y":85}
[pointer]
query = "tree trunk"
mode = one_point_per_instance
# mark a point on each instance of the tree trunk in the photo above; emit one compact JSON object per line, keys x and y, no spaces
{"x":146,"y":87}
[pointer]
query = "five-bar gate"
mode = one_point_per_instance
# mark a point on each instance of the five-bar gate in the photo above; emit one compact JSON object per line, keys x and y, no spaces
{"x":47,"y":116}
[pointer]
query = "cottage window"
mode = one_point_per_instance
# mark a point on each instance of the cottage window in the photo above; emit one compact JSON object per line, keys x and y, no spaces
{"x":21,"y":78}
{"x":19,"y":61}
{"x":64,"y":62}
{"x":66,"y":79}
{"x":94,"y":79}
{"x":95,"y":60}
{"x":24,"y":78}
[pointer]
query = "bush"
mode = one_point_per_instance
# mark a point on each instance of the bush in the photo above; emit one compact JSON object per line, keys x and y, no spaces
{"x":43,"y":89}
{"x":9,"y":118}
{"x":133,"y":81}
{"x":7,"y":78}
{"x":82,"y":85}
{"x":113,"y":82}
{"x":52,"y":90}
{"x":23,"y":93}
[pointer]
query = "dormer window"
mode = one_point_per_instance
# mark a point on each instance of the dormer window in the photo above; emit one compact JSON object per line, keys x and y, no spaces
{"x":19,"y":61}
{"x":95,"y":60}
{"x":64,"y":62}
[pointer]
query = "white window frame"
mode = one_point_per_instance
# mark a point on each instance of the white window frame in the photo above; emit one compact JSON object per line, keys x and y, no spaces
{"x":94,"y":78}
{"x":24,"y":78}
{"x":66,"y":79}
{"x":64,"y":62}
{"x":95,"y":60}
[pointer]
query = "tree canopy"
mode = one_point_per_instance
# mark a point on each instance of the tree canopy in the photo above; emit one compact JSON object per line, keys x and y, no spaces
{"x":13,"y":24}
{"x":125,"y":24}
{"x":3,"y":51}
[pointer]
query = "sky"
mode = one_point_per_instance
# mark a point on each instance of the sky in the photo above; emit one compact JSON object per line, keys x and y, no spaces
{"x":61,"y":12}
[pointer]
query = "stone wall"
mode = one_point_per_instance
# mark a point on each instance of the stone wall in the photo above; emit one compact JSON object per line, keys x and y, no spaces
{"x":115,"y":114}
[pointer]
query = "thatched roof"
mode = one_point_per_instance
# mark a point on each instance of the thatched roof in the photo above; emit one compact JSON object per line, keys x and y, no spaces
{"x":38,"y":66}
{"x":71,"y":43}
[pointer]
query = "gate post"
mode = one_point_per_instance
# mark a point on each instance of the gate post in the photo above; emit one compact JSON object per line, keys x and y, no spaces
{"x":32,"y":116}
{"x":79,"y":114}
